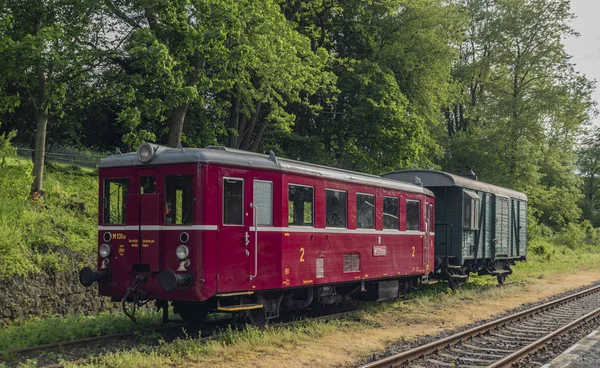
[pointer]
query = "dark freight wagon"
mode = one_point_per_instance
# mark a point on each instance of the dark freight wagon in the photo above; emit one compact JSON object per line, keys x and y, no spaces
{"x":479,"y":227}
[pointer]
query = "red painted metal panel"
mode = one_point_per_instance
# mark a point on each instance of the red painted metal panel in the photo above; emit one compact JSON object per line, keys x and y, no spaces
{"x":287,"y":256}
{"x":234,"y":239}
{"x":149,"y":233}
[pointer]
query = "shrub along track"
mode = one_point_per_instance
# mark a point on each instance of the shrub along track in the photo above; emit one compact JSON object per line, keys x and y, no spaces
{"x":505,"y":341}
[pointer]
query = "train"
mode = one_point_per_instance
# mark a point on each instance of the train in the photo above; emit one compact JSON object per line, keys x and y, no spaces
{"x":219,"y":229}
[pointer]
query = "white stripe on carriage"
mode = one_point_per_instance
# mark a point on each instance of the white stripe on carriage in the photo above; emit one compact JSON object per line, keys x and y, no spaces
{"x":298,"y":229}
{"x":264,"y":229}
{"x":158,"y":227}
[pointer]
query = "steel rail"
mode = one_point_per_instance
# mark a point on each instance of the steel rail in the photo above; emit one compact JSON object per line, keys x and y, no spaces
{"x":86,"y":340}
{"x":432,"y":347}
{"x":128,"y":334}
{"x":536,"y":345}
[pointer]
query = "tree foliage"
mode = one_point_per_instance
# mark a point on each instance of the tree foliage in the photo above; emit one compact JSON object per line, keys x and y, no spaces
{"x":45,"y":51}
{"x":367,"y":85}
{"x":522,"y":104}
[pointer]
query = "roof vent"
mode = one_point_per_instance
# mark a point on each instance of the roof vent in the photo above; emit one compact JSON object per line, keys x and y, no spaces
{"x":273,"y":158}
{"x":418,"y":181}
{"x":470,"y":174}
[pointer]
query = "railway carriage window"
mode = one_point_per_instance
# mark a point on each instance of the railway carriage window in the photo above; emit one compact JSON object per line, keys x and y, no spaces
{"x":391,"y":213}
{"x":233,"y":197}
{"x":263,"y":198}
{"x":147,"y":184}
{"x":430,"y":218}
{"x":471,"y":208}
{"x":336,"y":208}
{"x":115,"y":194}
{"x":300,"y":205}
{"x":413,"y":215}
{"x":365,"y":211}
{"x":427,"y":216}
{"x":179,"y":200}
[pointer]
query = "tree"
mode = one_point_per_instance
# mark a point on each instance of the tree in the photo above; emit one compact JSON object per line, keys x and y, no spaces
{"x":241,"y":61}
{"x":391,"y":59}
{"x":48,"y":48}
{"x":522,"y":103}
{"x":589,"y":168}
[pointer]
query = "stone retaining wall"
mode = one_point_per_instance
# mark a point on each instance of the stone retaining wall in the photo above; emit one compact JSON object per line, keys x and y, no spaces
{"x":44,"y":295}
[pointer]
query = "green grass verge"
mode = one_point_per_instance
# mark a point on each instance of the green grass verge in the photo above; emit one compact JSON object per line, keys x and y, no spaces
{"x":190,"y":351}
{"x":38,"y":331}
{"x":46,"y":236}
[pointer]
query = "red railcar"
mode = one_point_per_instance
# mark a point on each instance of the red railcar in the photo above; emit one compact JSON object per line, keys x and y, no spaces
{"x":221,"y":229}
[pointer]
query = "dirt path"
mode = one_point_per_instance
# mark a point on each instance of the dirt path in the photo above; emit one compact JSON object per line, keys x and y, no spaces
{"x":407,"y":322}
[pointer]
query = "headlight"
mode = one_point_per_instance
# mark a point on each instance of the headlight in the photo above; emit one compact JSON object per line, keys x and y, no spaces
{"x":182,"y":252}
{"x":104,"y":250}
{"x":107,"y":237}
{"x":145,"y":152}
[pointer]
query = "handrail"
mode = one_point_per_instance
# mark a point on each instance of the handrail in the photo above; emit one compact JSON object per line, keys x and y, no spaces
{"x":254,"y":209}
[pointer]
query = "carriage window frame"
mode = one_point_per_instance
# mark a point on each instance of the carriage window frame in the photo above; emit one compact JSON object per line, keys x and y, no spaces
{"x":471,"y":210}
{"x":223,"y":200}
{"x":345,"y":226}
{"x":187,"y":216}
{"x":397,"y":215}
{"x":418,"y":214}
{"x":126,"y":185}
{"x":312,"y":224}
{"x":373,"y":209}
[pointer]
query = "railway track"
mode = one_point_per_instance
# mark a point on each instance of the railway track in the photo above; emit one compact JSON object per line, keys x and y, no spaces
{"x":207,"y":328}
{"x":503,"y":342}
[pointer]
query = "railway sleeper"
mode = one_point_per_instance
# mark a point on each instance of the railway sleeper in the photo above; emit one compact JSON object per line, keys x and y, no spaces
{"x":464,"y":359}
{"x":439,"y":363}
{"x":508,"y":337}
{"x":512,"y":343}
{"x":476,"y":353}
{"x":529,"y":330}
{"x":473,"y":347}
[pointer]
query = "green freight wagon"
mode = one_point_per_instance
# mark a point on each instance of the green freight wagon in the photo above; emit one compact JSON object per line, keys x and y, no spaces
{"x":479,"y":227}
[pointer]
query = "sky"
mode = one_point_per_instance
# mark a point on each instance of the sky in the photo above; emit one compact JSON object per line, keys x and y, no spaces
{"x":585,"y":49}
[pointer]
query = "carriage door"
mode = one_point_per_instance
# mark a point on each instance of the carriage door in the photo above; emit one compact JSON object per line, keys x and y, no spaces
{"x":502,"y":226}
{"x":149,"y":214}
{"x":236,"y":247}
{"x":427,"y":237}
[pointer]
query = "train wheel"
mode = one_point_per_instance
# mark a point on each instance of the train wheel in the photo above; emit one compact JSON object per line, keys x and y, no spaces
{"x":501,"y":278}
{"x":257,"y":317}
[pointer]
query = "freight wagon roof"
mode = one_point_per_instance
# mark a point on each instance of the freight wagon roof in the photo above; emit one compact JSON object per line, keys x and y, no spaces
{"x":229,"y":156}
{"x":432,"y":178}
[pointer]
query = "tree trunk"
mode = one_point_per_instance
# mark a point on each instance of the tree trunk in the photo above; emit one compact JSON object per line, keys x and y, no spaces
{"x":248,"y":132}
{"x":176,"y":125}
{"x":258,"y":137}
{"x":234,"y":116}
{"x":178,"y":113}
{"x":40,"y":149}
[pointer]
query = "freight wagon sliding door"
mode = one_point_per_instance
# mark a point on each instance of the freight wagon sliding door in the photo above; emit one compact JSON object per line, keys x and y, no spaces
{"x":502,"y":240}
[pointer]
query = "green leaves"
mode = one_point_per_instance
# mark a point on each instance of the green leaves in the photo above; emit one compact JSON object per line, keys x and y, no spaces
{"x":521,"y":103}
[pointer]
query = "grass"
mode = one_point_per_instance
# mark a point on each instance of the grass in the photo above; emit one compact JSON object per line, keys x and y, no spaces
{"x":46,"y":236}
{"x":245,"y":347}
{"x":231,"y":346}
{"x":37,"y":331}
